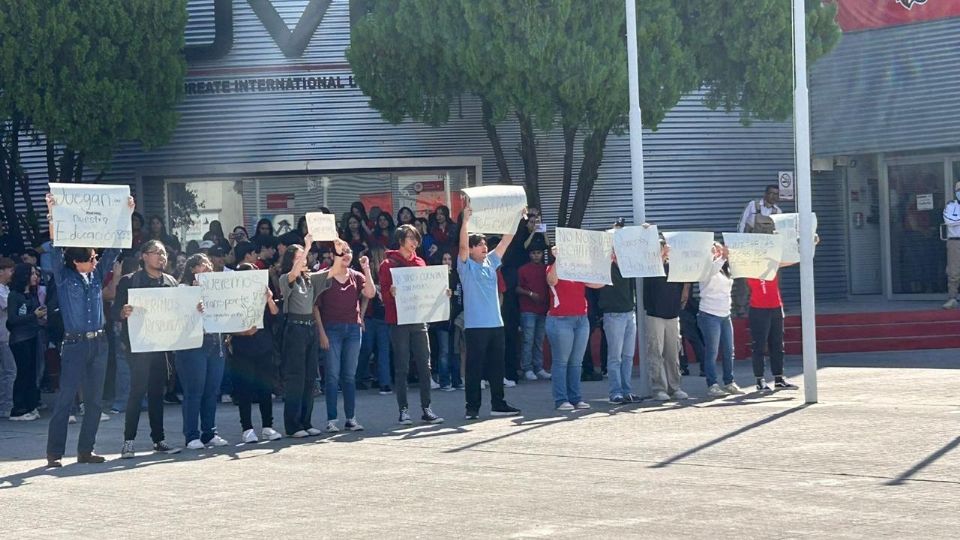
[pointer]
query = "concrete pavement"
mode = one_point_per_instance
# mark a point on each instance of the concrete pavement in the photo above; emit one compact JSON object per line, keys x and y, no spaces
{"x":877,"y":458}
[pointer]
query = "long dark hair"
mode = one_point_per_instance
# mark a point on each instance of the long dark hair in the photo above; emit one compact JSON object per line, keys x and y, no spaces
{"x":163,"y":227}
{"x":73,"y":255}
{"x":20,"y":281}
{"x":348,"y":235}
{"x":357,"y":205}
{"x":194,"y":261}
{"x":286,"y":263}
{"x":217,"y":228}
{"x":256,"y":230}
{"x":413,"y":216}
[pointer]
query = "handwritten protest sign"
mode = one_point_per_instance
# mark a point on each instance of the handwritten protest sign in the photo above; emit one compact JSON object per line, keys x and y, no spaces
{"x":165,"y":319}
{"x":421,"y":294}
{"x":691,"y":255}
{"x":496,"y":209}
{"x":323,"y":227}
{"x":88,"y":215}
{"x":788,"y":226}
{"x":638,"y":251}
{"x":754,"y":255}
{"x":233,"y":301}
{"x":584,"y":255}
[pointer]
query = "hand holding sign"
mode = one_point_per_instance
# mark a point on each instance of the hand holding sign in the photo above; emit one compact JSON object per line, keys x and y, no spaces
{"x":754,"y":255}
{"x":494,"y":209}
{"x":164,"y":319}
{"x":421,"y":294}
{"x":88,"y":215}
{"x":584,"y":255}
{"x":690,"y":255}
{"x":638,"y":251}
{"x":322,"y":227}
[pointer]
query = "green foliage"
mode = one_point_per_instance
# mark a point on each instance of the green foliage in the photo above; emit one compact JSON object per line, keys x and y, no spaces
{"x":88,"y":74}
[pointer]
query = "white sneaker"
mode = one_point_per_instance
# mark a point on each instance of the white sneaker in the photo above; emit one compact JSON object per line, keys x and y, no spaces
{"x":530,"y":375}
{"x":352,"y":425}
{"x":544,"y":374}
{"x":104,"y":417}
{"x":732,"y":389}
{"x":565,"y":406}
{"x":71,"y":420}
{"x":270,"y":434}
{"x":314,"y":432}
{"x":661,"y":396}
{"x":950,"y":304}
{"x":299,"y":434}
{"x":28,"y":417}
{"x":249,"y":437}
{"x":218,"y":441}
{"x":680,"y":395}
{"x":225,"y":398}
{"x":715,"y":391}
{"x":434,"y":385}
{"x":582,"y":405}
{"x":484,"y":384}
{"x":507,"y":383}
{"x":332,"y":427}
{"x":195,"y":445}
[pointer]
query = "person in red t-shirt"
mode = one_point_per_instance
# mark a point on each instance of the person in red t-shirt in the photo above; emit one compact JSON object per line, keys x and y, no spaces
{"x":568,"y":329}
{"x":338,"y":318}
{"x":766,"y":331}
{"x":410,"y":341}
{"x":532,"y":298}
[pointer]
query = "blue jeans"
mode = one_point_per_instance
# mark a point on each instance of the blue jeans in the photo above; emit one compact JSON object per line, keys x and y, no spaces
{"x":8,"y":374}
{"x":621,"y":332}
{"x":340,"y":367}
{"x":448,"y":364}
{"x":717,"y":337}
{"x":201,"y":373}
{"x":376,"y":336}
{"x":83,"y":368}
{"x":568,"y":341}
{"x":533,"y":326}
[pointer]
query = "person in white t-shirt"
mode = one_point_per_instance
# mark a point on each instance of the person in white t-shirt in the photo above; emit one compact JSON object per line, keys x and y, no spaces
{"x":8,"y":367}
{"x":715,"y":325}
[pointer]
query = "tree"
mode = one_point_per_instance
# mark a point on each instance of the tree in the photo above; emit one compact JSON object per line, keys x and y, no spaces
{"x":79,"y":77}
{"x":563,"y":62}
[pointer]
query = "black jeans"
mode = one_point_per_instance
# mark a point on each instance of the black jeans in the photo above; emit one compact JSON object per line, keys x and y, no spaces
{"x":766,"y":332}
{"x":690,"y":331}
{"x":411,"y":342}
{"x":484,"y":360}
{"x":299,"y":375}
{"x":148,"y":375}
{"x":252,"y":382}
{"x":26,"y":393}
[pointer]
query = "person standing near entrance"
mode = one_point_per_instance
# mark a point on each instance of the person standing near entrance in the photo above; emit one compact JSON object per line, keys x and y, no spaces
{"x":410,"y":341}
{"x":951,"y":218}
{"x":755,"y":219}
{"x":83,"y":365}
{"x":483,"y":323}
{"x":148,"y":371}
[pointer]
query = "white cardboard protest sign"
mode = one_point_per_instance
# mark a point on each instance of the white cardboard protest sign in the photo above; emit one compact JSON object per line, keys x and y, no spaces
{"x":165,"y":319}
{"x":322,"y":227}
{"x":422,"y":293}
{"x":638,"y":252}
{"x":754,"y":255}
{"x":233,"y":301}
{"x":584,"y":256}
{"x":496,"y":209}
{"x":89,"y":215}
{"x":691,"y":255}
{"x":788,"y":226}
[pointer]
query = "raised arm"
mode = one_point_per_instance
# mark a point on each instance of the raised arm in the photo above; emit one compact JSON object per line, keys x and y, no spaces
{"x":369,"y":289}
{"x":464,"y":252}
{"x":552,"y":277}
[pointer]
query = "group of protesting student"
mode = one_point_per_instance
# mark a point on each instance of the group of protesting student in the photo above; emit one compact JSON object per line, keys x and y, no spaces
{"x":335,"y":303}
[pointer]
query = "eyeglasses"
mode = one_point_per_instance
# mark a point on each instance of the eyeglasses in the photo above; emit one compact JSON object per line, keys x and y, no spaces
{"x":93,"y":258}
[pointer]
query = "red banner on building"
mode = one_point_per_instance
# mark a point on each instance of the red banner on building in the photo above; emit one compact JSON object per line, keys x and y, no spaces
{"x":855,"y":15}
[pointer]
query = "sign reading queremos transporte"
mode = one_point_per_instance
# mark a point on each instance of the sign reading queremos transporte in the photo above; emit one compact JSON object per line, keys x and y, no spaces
{"x":299,"y":83}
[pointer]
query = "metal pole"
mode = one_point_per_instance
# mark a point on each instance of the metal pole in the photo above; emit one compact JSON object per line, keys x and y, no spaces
{"x":636,"y":174}
{"x":801,"y":127}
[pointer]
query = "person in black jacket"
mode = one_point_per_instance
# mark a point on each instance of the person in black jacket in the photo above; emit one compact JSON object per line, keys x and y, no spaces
{"x":25,"y":318}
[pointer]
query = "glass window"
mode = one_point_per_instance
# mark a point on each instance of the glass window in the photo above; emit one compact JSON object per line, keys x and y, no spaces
{"x":917,"y":255}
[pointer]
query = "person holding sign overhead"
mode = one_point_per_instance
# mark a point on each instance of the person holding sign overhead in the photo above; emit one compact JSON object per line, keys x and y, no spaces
{"x":714,"y":323}
{"x":338,"y":318}
{"x":568,"y":330}
{"x":79,"y":281}
{"x":148,"y":371}
{"x":663,"y":301}
{"x":483,"y":324}
{"x":299,"y":288}
{"x":410,"y":341}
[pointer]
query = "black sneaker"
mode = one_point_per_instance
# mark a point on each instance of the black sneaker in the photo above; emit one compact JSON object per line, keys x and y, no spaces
{"x":405,"y":417}
{"x":632,"y":398}
{"x":385,"y":390}
{"x":684,"y":370}
{"x":172,"y":398}
{"x":429,"y":416}
{"x":762,"y":387}
{"x":504,"y":410}
{"x":781,"y":384}
{"x":164,"y":448}
{"x":472,"y":414}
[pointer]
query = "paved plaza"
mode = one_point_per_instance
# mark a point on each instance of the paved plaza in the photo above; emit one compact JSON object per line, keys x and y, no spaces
{"x":876,"y":458}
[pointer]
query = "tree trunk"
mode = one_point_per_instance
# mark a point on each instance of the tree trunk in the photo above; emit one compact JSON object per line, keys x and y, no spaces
{"x":78,"y":169}
{"x":67,"y":160}
{"x":528,"y":152}
{"x":569,"y":138}
{"x":494,"y":137}
{"x":592,"y":158}
{"x":8,"y":190}
{"x":17,"y":175}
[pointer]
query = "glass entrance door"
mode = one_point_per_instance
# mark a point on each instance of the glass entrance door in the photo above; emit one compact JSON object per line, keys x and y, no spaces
{"x":917,"y":255}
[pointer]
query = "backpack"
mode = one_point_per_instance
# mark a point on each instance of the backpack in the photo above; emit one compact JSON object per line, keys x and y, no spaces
{"x":761,"y":224}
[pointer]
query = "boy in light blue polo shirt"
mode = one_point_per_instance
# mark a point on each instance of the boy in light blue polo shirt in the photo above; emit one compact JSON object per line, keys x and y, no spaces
{"x":483,"y":325}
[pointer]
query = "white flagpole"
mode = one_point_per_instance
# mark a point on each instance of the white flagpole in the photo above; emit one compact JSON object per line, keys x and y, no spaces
{"x":801,"y":127}
{"x":636,"y":174}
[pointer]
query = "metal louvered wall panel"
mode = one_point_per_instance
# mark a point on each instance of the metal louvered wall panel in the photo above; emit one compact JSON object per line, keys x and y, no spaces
{"x":701,"y":166}
{"x":888,"y":90}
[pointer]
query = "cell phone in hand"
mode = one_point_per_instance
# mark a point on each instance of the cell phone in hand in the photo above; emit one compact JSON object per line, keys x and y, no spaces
{"x":542,"y":228}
